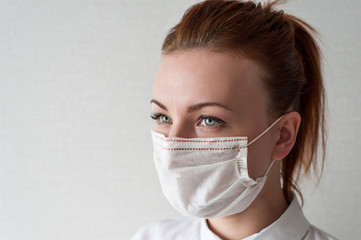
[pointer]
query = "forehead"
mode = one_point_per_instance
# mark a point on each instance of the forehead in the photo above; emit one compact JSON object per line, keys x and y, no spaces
{"x":201,"y":75}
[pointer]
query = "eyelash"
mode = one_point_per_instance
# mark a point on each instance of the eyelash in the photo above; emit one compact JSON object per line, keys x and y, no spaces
{"x":219,"y":122}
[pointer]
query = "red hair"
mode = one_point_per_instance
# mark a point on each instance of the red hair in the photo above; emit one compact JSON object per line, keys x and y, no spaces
{"x":284,"y":46}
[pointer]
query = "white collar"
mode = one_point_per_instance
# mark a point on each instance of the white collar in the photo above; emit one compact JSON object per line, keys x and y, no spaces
{"x":292,"y":225}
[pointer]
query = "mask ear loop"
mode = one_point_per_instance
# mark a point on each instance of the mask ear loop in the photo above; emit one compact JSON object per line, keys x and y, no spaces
{"x":269,"y":168}
{"x":256,"y":138}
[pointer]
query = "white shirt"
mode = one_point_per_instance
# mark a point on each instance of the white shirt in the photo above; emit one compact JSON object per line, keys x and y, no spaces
{"x":292,"y":225}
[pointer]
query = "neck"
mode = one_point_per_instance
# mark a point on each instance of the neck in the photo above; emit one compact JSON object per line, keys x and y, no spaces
{"x":269,"y":205}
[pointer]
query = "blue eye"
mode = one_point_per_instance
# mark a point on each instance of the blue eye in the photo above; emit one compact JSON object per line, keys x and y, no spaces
{"x":160,"y":118}
{"x":164,"y":119}
{"x":210,"y":121}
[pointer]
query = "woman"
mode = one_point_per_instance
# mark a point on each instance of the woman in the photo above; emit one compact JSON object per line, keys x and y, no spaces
{"x":239,"y":107}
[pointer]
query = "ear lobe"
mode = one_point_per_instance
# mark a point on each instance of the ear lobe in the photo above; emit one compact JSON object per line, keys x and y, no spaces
{"x":286,"y":135}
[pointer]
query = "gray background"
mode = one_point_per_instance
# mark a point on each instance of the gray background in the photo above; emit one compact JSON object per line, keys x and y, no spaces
{"x":75,"y":149}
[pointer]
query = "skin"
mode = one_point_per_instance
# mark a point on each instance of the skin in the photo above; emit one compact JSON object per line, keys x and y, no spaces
{"x":233,"y":85}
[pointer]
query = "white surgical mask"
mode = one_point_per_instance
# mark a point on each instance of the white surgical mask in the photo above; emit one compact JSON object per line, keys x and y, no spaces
{"x":206,"y":177}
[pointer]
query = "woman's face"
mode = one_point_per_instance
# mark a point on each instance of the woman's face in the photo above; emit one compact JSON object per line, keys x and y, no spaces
{"x":198,"y":93}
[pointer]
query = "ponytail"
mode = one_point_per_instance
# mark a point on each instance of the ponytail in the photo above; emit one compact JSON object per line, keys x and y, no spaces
{"x":310,"y":105}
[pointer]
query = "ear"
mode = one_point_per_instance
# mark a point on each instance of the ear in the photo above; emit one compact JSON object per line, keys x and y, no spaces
{"x":286,"y":133}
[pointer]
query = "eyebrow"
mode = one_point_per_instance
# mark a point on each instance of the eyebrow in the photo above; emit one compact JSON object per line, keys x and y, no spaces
{"x":193,"y":107}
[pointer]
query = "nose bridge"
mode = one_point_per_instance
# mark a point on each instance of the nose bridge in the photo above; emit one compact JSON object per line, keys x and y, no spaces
{"x":181,"y":128}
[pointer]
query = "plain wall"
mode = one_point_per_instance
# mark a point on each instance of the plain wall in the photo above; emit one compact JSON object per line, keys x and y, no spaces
{"x":75,"y":149}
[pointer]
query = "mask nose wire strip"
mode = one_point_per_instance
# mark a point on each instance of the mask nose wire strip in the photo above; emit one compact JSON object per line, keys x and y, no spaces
{"x":255,"y":139}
